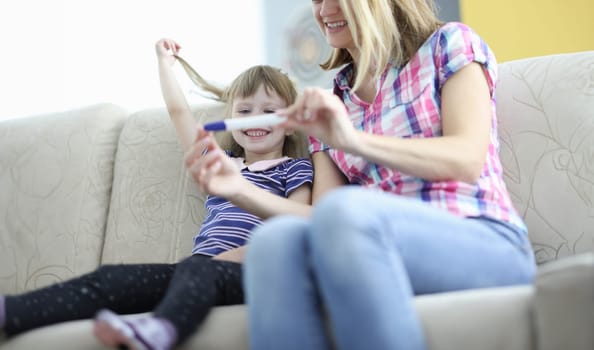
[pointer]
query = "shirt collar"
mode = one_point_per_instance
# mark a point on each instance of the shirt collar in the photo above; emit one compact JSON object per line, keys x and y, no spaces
{"x":260,"y":165}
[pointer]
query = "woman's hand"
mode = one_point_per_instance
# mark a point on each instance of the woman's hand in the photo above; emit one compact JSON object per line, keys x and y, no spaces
{"x":321,"y":114}
{"x":214,"y":172}
{"x":166,"y":48}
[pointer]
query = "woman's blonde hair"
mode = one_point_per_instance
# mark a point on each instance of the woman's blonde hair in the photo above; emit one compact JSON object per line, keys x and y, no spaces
{"x":244,"y":85}
{"x":384,"y":31}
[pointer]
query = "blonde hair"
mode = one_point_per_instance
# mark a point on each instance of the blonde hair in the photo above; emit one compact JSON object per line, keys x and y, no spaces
{"x":244,"y":85}
{"x":384,"y":31}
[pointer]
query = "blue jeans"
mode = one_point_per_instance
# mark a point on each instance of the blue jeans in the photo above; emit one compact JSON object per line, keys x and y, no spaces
{"x":351,"y":271}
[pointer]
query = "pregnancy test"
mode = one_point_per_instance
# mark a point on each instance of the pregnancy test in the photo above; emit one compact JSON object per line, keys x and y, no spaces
{"x":239,"y":123}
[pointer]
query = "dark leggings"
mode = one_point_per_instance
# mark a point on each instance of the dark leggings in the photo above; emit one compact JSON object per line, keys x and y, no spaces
{"x":182,"y":293}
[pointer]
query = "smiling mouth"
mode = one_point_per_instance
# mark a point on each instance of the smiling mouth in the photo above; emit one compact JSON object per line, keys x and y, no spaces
{"x":256,"y":132}
{"x":334,"y":25}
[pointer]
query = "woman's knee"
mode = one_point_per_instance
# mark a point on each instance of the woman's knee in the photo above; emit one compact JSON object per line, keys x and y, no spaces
{"x":276,"y":243}
{"x":275,"y":235}
{"x":340,"y":213}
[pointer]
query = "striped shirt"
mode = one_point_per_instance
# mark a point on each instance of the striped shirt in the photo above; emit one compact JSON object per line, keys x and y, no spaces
{"x":227,"y":226}
{"x":408,"y":105}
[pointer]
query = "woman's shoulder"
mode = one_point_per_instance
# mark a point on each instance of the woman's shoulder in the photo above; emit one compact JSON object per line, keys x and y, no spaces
{"x":456,"y":45}
{"x":453,"y":34}
{"x":454,"y":28}
{"x":449,"y":40}
{"x":456,"y":39}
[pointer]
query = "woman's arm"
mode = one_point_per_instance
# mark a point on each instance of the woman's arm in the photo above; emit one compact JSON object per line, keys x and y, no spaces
{"x":177,"y":106}
{"x":459,"y":154}
{"x":327,"y":176}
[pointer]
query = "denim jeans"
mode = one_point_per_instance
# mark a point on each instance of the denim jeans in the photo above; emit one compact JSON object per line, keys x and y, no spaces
{"x":348,"y":274}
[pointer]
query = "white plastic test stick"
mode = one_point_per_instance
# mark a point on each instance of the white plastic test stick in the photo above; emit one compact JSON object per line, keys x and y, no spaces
{"x":239,"y":123}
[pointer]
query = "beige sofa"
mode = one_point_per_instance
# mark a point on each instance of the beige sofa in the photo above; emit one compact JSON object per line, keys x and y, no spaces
{"x":99,"y":185}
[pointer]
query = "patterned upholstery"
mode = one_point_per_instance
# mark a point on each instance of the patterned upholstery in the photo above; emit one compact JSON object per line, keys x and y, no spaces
{"x":546,"y":127}
{"x":55,"y":184}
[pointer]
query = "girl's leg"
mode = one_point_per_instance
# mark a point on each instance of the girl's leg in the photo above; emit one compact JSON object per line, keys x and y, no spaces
{"x":2,"y":312}
{"x":283,"y":303}
{"x":125,"y":288}
{"x":198,"y":284}
{"x":372,"y":252}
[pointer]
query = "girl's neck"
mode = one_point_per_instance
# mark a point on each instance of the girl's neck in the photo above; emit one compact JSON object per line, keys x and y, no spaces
{"x":251,"y":157}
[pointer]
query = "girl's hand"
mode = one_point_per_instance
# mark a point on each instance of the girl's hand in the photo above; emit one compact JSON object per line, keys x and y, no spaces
{"x":321,"y":114}
{"x":166,"y":48}
{"x":214,"y":172}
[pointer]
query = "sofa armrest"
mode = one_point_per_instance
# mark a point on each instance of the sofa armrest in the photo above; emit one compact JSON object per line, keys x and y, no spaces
{"x":56,"y":173}
{"x":564,"y":303}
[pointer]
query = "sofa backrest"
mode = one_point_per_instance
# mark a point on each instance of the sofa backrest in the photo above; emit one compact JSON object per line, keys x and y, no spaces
{"x":55,"y":185}
{"x":546,"y":127}
{"x":155,"y":207}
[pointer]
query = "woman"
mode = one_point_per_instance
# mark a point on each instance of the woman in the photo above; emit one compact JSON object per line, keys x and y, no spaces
{"x":412,"y":121}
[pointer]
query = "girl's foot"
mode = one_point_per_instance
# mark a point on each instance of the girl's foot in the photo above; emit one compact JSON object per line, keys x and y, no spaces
{"x":113,"y":331}
{"x":147,"y":333}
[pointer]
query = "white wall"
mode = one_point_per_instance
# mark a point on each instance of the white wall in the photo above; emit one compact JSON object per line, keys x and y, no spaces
{"x":62,"y":54}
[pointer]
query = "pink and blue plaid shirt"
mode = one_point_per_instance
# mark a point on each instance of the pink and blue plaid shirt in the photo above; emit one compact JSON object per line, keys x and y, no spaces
{"x":408,"y":105}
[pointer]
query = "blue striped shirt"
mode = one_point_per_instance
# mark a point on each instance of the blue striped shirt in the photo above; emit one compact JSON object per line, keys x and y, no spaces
{"x":227,"y":226}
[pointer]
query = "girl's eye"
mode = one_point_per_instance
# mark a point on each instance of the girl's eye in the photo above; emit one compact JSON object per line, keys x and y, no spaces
{"x":269,"y":111}
{"x":244,"y":111}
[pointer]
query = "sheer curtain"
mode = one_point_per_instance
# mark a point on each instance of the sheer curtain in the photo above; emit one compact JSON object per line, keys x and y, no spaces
{"x":64,"y":54}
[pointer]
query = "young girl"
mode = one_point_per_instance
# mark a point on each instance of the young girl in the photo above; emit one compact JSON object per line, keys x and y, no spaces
{"x":412,"y":121}
{"x":258,"y":177}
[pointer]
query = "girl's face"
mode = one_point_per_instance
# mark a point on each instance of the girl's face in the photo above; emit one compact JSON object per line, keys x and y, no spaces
{"x":333,"y":24}
{"x":259,"y":143}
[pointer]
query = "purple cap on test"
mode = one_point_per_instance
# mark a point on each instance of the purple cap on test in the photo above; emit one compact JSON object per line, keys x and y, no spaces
{"x":215,"y":126}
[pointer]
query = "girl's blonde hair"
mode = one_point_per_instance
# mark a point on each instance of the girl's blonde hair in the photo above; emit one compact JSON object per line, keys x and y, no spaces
{"x":384,"y":31}
{"x":244,"y":85}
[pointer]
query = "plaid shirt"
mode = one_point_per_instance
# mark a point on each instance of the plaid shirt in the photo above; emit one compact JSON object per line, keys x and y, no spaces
{"x":408,"y":105}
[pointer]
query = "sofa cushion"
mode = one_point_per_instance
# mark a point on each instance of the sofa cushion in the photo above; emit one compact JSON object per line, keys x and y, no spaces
{"x":223,"y":329}
{"x":486,"y":319}
{"x":565,"y":304}
{"x":546,"y":126}
{"x":55,"y":174}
